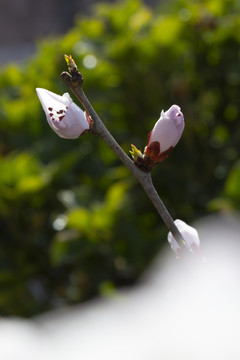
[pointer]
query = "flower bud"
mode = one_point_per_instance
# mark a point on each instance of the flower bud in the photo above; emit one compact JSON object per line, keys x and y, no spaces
{"x":165,"y":134}
{"x":64,"y":117}
{"x":189,"y":234}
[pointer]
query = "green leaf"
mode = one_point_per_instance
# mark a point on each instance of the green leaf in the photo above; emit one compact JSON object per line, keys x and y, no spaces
{"x":79,"y":219}
{"x":232,"y":187}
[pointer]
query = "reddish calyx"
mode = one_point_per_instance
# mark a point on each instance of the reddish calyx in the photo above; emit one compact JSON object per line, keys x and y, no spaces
{"x":153,"y":151}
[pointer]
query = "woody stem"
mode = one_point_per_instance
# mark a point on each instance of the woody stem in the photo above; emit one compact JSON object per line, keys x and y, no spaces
{"x":143,"y":177}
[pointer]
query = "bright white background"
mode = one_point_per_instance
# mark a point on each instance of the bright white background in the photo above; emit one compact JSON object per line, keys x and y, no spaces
{"x":184,"y":309}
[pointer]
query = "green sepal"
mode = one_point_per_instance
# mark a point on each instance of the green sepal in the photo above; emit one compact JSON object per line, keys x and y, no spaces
{"x":135,"y":153}
{"x":70,"y":63}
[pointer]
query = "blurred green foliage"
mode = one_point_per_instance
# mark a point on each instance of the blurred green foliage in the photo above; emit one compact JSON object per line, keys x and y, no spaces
{"x":74,"y":223}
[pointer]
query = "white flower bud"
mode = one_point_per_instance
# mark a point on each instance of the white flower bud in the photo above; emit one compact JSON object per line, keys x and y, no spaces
{"x":165,"y":134}
{"x":189,"y":234}
{"x":174,"y":245}
{"x":64,"y":117}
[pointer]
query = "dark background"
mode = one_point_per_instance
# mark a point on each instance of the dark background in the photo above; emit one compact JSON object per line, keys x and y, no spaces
{"x":23,"y":22}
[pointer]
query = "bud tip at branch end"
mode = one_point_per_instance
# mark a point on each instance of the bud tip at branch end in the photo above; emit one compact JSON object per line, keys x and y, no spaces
{"x":70,"y":63}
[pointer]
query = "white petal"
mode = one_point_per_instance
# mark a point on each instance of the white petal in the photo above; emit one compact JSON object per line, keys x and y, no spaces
{"x":67,"y":97}
{"x":166,"y":133}
{"x":189,"y":234}
{"x":64,"y":117}
{"x":72,"y":125}
{"x":168,"y":129}
{"x":50,"y":99}
{"x":172,"y":111}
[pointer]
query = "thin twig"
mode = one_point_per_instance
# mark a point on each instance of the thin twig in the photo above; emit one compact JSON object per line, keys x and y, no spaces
{"x":100,"y":129}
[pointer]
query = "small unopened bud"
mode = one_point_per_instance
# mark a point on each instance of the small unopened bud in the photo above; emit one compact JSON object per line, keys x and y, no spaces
{"x":165,"y":134}
{"x":189,"y":234}
{"x":64,"y":117}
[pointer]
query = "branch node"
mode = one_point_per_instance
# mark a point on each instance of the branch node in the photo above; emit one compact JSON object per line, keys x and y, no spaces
{"x":76,"y":77}
{"x":66,"y":77}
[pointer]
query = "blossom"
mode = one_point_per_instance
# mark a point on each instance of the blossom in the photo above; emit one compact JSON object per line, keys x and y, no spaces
{"x":189,"y":234}
{"x":165,"y":134}
{"x":64,"y":117}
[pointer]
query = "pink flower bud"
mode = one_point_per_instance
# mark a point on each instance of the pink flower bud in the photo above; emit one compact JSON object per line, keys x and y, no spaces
{"x":64,"y":117}
{"x":189,"y":234}
{"x":165,"y":134}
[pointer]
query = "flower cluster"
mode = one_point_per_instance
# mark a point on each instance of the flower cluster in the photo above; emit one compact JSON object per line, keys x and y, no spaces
{"x":69,"y":122}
